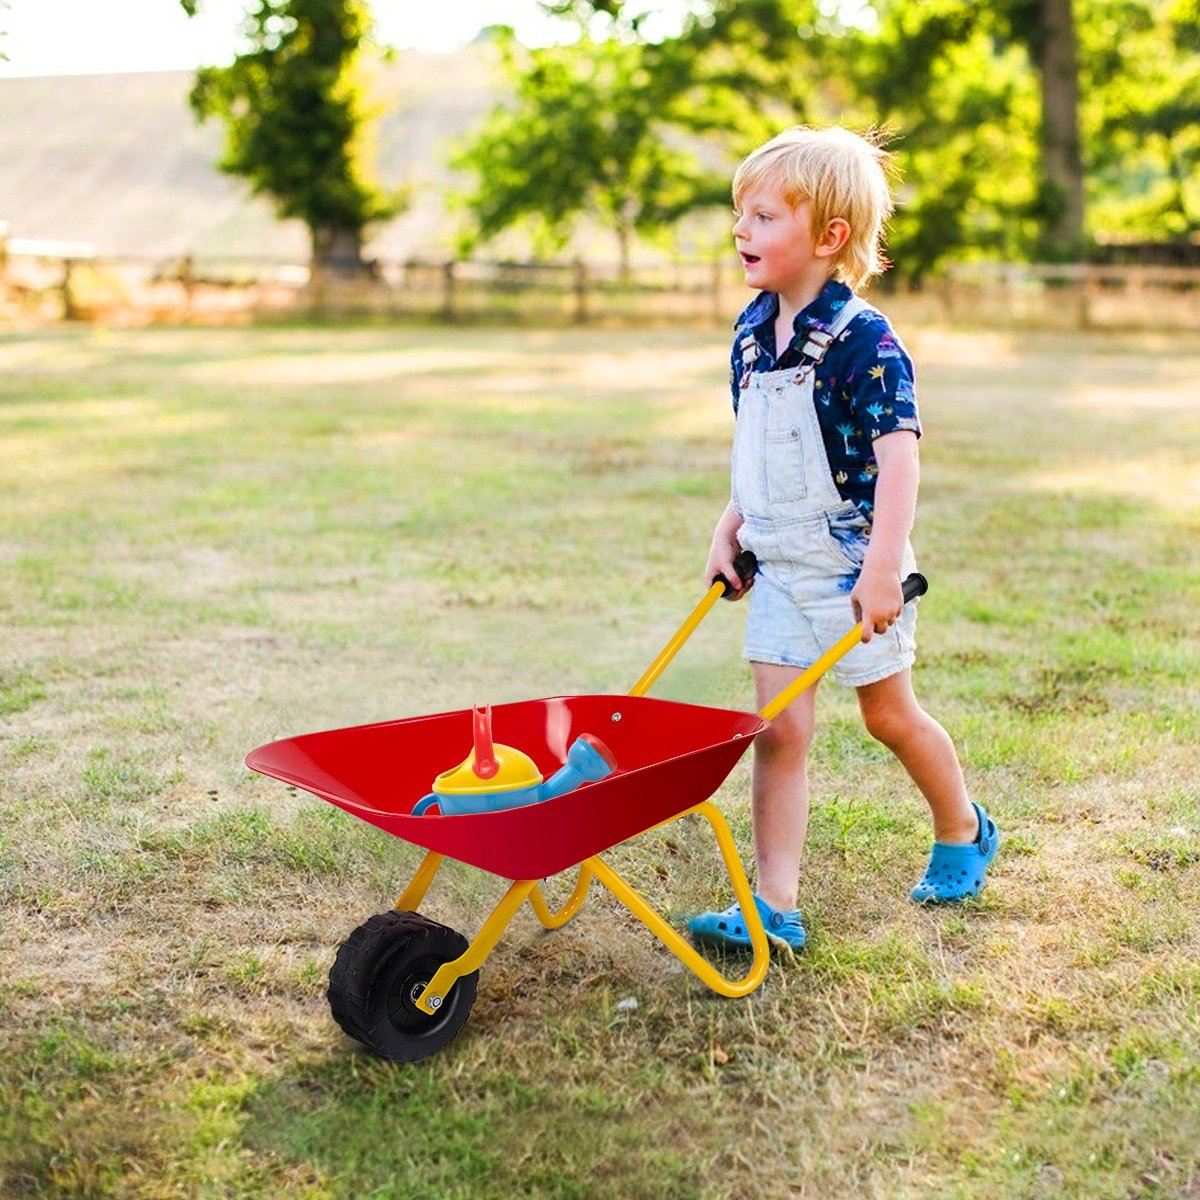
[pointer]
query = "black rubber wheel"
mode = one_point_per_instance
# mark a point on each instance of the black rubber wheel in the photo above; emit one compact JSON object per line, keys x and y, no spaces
{"x":380,"y":970}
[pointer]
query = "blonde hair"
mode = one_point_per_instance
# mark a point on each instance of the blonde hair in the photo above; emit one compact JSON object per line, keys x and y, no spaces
{"x":843,"y":175}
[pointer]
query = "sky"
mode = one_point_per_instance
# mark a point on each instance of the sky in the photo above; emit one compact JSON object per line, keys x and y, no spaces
{"x":87,"y":37}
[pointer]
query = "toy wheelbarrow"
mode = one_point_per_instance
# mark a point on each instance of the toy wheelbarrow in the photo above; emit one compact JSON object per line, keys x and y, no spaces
{"x":402,"y":984}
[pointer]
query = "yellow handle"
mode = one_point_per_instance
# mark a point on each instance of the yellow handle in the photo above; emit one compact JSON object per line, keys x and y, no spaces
{"x":745,"y":565}
{"x":685,"y":631}
{"x":914,"y":586}
{"x":805,"y":681}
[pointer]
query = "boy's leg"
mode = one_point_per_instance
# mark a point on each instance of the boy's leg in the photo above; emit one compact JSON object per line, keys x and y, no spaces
{"x":779,"y":787}
{"x":894,"y":717}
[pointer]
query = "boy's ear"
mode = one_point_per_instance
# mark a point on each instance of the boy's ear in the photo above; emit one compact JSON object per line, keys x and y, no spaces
{"x":834,"y":239}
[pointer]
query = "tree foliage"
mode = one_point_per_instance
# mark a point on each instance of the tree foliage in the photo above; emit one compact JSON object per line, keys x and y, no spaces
{"x":1142,"y":64}
{"x":955,"y":84}
{"x":1005,"y":114}
{"x":585,"y":135}
{"x":296,"y":120}
{"x":962,"y":107}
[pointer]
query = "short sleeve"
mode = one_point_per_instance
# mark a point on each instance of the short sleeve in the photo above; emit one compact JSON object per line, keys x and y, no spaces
{"x":735,"y":368}
{"x":879,"y":383}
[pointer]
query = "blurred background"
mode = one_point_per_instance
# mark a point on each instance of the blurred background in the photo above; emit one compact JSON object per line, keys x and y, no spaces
{"x":570,"y":160}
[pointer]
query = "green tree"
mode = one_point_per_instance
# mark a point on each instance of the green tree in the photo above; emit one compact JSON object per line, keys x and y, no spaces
{"x":1046,"y":30}
{"x":959,"y":106}
{"x":1142,"y":86}
{"x":1023,"y":127}
{"x":972,"y":87}
{"x":582,"y":136}
{"x":951,"y":79}
{"x":296,"y":120}
{"x":964,"y":108}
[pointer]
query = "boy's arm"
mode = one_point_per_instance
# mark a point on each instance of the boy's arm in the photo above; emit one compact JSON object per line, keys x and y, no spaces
{"x":725,"y":547}
{"x":877,"y":597}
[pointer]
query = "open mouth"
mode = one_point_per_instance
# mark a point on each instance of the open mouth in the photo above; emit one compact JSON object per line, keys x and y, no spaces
{"x":748,"y":259}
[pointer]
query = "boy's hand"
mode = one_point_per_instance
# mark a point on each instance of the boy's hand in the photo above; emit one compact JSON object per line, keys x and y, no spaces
{"x":878,"y":601}
{"x":725,"y":548}
{"x":720,"y":562}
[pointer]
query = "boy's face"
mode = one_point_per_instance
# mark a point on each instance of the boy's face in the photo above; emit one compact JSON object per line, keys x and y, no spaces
{"x":776,"y":242}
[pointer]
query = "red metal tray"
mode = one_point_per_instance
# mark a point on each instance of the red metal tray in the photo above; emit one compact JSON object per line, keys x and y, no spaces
{"x":670,"y":757}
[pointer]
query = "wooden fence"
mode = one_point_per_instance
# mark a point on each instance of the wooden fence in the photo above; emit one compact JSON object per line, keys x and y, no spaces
{"x":1073,"y":296}
{"x":58,"y":280}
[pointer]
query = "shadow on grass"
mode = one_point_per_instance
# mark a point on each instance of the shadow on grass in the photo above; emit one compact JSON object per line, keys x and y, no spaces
{"x":377,"y":1129}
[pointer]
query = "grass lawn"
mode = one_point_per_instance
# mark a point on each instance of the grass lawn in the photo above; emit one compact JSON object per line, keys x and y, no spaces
{"x":214,"y":538}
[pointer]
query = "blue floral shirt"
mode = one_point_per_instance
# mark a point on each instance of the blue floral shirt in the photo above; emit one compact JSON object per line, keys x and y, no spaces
{"x":863,"y":388}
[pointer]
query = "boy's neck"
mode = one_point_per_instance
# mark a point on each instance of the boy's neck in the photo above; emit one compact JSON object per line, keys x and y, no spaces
{"x":795,"y":299}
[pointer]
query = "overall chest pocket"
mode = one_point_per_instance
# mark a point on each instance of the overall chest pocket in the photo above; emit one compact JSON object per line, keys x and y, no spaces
{"x":783,"y":452}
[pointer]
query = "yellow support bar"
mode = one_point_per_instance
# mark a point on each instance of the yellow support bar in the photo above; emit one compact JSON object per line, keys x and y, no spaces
{"x":410,"y":901}
{"x":805,"y":681}
{"x":557,"y":920}
{"x":444,"y":978}
{"x":430,"y":1000}
{"x":671,"y":938}
{"x":685,"y":631}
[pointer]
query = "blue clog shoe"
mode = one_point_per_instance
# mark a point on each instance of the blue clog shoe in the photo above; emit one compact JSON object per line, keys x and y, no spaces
{"x":728,"y":929}
{"x":956,"y":871}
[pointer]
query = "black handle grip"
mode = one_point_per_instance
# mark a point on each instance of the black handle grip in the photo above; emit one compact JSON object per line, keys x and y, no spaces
{"x":915,"y":585}
{"x":746,"y":565}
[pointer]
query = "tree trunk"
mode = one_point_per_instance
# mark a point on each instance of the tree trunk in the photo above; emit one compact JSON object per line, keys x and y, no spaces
{"x":337,"y":255}
{"x":1062,"y":162}
{"x":1177,"y":171}
{"x":624,"y":238}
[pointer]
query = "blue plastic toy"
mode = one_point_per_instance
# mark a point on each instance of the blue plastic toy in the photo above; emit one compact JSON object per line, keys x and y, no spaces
{"x":494,"y":777}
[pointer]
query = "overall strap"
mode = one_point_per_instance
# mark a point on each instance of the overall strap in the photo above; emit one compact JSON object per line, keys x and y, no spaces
{"x":749,"y":349}
{"x":815,"y":346}
{"x":819,"y":340}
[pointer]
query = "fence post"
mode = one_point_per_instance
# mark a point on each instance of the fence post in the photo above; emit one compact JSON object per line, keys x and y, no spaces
{"x":70,"y":305}
{"x":580,"y":286}
{"x":448,"y":290}
{"x":1088,"y":287}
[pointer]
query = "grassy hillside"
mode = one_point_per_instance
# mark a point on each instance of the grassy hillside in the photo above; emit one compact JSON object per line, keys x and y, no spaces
{"x":117,"y":160}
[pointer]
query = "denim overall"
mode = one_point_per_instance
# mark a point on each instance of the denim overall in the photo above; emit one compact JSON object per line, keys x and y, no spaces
{"x":810,"y":543}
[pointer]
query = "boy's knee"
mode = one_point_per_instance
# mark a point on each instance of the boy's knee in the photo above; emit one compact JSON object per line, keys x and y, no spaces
{"x":888,"y":724}
{"x":788,"y":733}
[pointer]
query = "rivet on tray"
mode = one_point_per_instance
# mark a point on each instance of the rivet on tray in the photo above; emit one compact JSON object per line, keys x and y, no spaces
{"x":616,"y":716}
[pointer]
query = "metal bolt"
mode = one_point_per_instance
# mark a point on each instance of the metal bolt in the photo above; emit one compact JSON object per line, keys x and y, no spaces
{"x":435,"y":1002}
{"x":616,"y":716}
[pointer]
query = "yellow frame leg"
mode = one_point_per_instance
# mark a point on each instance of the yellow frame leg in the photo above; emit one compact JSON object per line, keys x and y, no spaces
{"x":410,"y":899}
{"x":670,"y":937}
{"x":557,"y":920}
{"x":430,"y":1000}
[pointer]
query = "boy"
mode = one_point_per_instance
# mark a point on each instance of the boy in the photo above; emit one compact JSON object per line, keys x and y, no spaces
{"x":825,"y":472}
